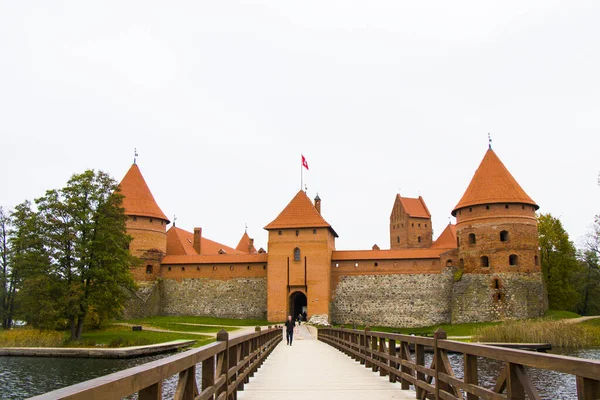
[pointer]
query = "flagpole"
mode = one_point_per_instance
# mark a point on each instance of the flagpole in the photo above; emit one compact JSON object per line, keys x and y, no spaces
{"x":301,"y":174}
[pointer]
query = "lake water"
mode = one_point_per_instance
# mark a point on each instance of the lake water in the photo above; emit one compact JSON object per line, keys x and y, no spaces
{"x":22,"y":377}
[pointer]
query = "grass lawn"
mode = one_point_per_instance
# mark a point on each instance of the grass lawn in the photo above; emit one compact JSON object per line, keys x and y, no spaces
{"x":188,"y":319}
{"x":119,"y":336}
{"x":558,"y":314}
{"x":592,"y":322}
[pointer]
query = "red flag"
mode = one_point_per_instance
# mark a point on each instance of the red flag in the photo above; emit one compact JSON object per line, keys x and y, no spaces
{"x":304,"y":163}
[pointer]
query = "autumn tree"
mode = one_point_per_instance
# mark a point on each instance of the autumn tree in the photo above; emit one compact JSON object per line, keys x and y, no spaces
{"x":84,"y":264}
{"x":560,"y":266}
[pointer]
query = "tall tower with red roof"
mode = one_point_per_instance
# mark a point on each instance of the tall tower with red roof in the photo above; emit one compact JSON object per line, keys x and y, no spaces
{"x":410,"y":224}
{"x":146,"y":223}
{"x":498,"y":254}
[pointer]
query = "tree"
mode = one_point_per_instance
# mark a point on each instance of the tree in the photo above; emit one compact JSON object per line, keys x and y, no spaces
{"x":590,"y":280}
{"x":560,"y":266}
{"x":8,"y":277}
{"x":84,"y":263}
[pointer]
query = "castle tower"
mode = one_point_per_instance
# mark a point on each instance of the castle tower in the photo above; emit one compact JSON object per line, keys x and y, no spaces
{"x":301,"y":243}
{"x":498,"y":254}
{"x":496,"y":224}
{"x":410,"y":224}
{"x":146,"y":223}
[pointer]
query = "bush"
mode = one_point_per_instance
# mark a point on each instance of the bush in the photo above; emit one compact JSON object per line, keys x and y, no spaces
{"x":558,"y":333}
{"x":31,"y":338}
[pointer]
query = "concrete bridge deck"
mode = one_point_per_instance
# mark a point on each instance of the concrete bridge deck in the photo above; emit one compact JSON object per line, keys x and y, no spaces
{"x":310,"y":369}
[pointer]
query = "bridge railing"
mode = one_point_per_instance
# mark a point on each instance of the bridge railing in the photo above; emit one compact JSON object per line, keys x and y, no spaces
{"x":390,"y":355}
{"x":227,"y":365}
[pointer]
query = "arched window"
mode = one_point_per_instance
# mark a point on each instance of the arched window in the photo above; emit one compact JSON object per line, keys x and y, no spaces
{"x":148,"y":269}
{"x":297,"y":254}
{"x":504,"y":236}
{"x":485,"y":261}
{"x":513,"y":260}
{"x":448,"y":263}
{"x":472,"y":239}
{"x":419,"y":239}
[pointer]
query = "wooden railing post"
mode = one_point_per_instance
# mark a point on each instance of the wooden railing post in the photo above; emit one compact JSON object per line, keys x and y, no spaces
{"x":186,"y":386}
{"x":153,"y":392}
{"x":367,"y":347}
{"x":420,"y":360}
{"x":223,"y":362}
{"x":471,"y":377}
{"x":208,"y":372}
{"x":374,"y":338}
{"x":392,"y":353}
{"x":587,"y":389}
{"x":233,"y":361}
{"x":382,"y":349}
{"x":437,"y":356}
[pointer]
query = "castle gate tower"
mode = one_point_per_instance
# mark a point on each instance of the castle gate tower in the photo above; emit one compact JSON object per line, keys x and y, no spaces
{"x":301,"y":243}
{"x":497,"y":236}
{"x":146,"y":223}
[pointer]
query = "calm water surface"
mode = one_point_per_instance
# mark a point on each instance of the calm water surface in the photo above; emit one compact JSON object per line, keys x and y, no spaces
{"x":22,"y":377}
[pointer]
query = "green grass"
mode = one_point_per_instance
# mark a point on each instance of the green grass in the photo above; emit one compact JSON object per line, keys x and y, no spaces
{"x":199,"y":320}
{"x":119,"y":336}
{"x":559,"y":314}
{"x":190,"y":328}
{"x":592,"y":322}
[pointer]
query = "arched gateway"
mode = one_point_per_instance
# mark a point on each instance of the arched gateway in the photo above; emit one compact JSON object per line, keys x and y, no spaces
{"x":298,"y":304}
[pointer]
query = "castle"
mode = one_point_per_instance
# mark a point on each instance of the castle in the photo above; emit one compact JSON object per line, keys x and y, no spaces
{"x":484,"y":268}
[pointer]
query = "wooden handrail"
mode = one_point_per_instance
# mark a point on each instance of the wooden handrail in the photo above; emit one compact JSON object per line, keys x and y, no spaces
{"x":378,"y":351}
{"x":226,"y":365}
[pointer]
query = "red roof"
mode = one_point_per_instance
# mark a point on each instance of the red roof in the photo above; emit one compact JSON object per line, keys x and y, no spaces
{"x":244,"y":244}
{"x":415,"y":207}
{"x":181,"y":242}
{"x":138,"y":198}
{"x":447,"y":240}
{"x":299,"y":213}
{"x":492,"y":183}
{"x":345,"y":255}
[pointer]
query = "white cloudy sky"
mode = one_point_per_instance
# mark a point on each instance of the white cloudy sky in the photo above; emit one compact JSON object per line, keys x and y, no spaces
{"x":221,"y":97}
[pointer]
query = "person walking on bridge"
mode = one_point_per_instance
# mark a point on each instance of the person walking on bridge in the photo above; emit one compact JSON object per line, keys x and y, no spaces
{"x":289,"y":329}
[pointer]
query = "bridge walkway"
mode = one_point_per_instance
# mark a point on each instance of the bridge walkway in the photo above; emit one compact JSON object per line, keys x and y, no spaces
{"x":313,"y":370}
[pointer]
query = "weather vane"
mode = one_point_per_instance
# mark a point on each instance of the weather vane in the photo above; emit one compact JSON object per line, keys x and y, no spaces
{"x":174,"y":219}
{"x":135,"y":154}
{"x":490,"y":141}
{"x":246,"y":229}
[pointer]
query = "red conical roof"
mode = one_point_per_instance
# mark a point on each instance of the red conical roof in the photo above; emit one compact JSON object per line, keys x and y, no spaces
{"x":138,"y":197}
{"x":492,"y":183}
{"x":299,"y":213}
{"x":245,"y":245}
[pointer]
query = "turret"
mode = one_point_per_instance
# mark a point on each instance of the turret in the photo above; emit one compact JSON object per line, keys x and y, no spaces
{"x":146,"y":223}
{"x":496,"y":224}
{"x":410,"y":224}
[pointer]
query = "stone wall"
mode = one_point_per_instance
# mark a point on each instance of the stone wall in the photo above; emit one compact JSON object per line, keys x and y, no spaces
{"x":231,"y":298}
{"x":407,"y":300}
{"x":145,"y":302}
{"x":492,"y":297}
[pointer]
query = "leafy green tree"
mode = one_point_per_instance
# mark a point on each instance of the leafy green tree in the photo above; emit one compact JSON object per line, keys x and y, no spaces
{"x":560,"y":265}
{"x":84,"y":262}
{"x":8,"y":277}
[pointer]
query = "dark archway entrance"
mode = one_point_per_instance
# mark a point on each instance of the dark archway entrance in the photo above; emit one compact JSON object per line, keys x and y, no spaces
{"x":297,"y":304}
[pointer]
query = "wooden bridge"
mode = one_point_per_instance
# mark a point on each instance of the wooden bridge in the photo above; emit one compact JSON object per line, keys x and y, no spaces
{"x":343,"y":363}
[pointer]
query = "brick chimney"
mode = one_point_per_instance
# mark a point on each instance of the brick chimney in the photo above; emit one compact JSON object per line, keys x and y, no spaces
{"x":318,"y":203}
{"x":250,"y":246}
{"x":198,"y":240}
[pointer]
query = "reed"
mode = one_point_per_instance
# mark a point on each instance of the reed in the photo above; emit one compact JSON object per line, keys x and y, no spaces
{"x":559,"y":333}
{"x":31,"y":338}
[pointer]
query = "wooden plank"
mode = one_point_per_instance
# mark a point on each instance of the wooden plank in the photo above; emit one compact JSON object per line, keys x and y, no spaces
{"x":477,"y":391}
{"x":420,"y":363}
{"x":501,"y":382}
{"x":587,"y":389}
{"x":514,"y":387}
{"x":153,"y":392}
{"x":382,"y":350}
{"x":530,"y":390}
{"x":470,"y":369}
{"x":392,"y":355}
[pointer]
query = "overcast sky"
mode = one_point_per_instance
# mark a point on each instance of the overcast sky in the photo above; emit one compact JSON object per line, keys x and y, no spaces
{"x":220,"y":98}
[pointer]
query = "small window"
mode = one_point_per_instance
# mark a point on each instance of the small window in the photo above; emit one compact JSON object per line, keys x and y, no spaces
{"x":419,"y":225}
{"x":487,"y":207}
{"x":536,"y":260}
{"x":470,"y":209}
{"x":182,"y":269}
{"x":425,"y":225}
{"x":214,"y":267}
{"x":150,"y":220}
{"x":297,"y":232}
{"x":412,"y":225}
{"x":376,"y":264}
{"x":523,"y":207}
{"x":314,"y":231}
{"x":148,"y":269}
{"x":169,"y":268}
{"x":297,"y":254}
{"x":496,"y":283}
{"x":198,"y":268}
{"x":398,"y":239}
{"x":161,"y":221}
{"x":248,"y":268}
{"x":264,"y":267}
{"x":134,"y":218}
{"x":337,"y":265}
{"x":506,"y":206}
{"x":513,"y":260}
{"x":279,"y":233}
{"x":231,"y":267}
{"x":448,"y":263}
{"x":419,"y":239}
{"x":504,"y":236}
{"x":484,"y":261}
{"x":355,"y":265}
{"x":472,"y":238}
